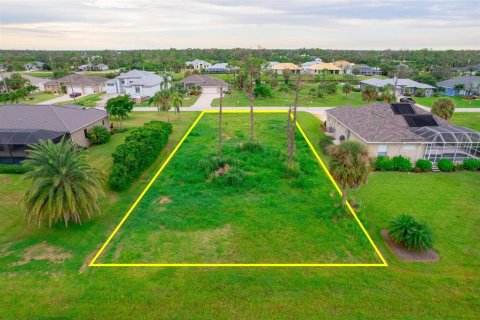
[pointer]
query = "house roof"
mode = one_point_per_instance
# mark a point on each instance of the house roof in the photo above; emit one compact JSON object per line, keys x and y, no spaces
{"x":78,"y":80}
{"x":196,"y":61}
{"x":141,"y":78}
{"x":47,"y":117}
{"x":222,"y":65}
{"x":310,"y":63}
{"x":460,"y":80}
{"x":204,"y":81}
{"x":376,"y":82}
{"x":324,"y":65}
{"x":378,"y":123}
{"x":285,"y":65}
{"x":31,"y":79}
{"x":342,"y":63}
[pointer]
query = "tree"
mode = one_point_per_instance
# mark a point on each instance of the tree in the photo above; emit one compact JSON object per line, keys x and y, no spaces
{"x":15,"y":96}
{"x":347,"y":88}
{"x":64,"y":187}
{"x":162,"y":100}
{"x":251,"y":73}
{"x":16,"y":82}
{"x":220,"y":114}
{"x":444,"y":108}
{"x":177,"y":101}
{"x":349,"y":165}
{"x":98,"y":135}
{"x":292,"y":121}
{"x":369,"y":94}
{"x":119,"y":107}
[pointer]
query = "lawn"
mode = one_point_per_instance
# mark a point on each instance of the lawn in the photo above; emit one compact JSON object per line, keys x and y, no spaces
{"x":188,"y":101}
{"x":459,"y":101}
{"x":238,"y":98}
{"x":467,"y":119}
{"x":39,"y":74}
{"x":88,"y":101}
{"x":62,"y":286}
{"x":40,"y":97}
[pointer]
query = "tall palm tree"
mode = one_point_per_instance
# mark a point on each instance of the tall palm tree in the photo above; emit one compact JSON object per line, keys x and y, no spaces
{"x":347,"y":88}
{"x":177,"y":101}
{"x":349,"y":165}
{"x":64,"y":187}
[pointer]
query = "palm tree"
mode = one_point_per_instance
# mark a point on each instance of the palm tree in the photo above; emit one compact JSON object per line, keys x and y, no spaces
{"x":349,"y":165}
{"x":177,"y":101}
{"x":347,"y":88}
{"x":156,"y":101}
{"x":63,"y":185}
{"x":369,"y":94}
{"x":161,"y":100}
{"x":15,"y":96}
{"x":444,"y":108}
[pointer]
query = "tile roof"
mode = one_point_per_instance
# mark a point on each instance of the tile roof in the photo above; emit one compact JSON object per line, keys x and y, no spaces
{"x":378,"y":123}
{"x":323,"y":65}
{"x":204,"y":81}
{"x":47,"y":117}
{"x":285,"y":65}
{"x":475,"y":80}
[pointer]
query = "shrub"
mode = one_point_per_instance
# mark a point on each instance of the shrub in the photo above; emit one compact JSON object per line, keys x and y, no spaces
{"x":445,"y":165}
{"x":212,"y":163}
{"x":423,"y":165}
{"x":402,"y":164}
{"x":324,"y":142}
{"x":415,"y":235}
{"x":98,"y":135}
{"x":14,"y":168}
{"x":471,"y":164}
{"x":119,"y":130}
{"x":384,"y":163}
{"x":262,"y":90}
{"x":232,"y":177}
{"x":140,"y":149}
{"x":253,"y":147}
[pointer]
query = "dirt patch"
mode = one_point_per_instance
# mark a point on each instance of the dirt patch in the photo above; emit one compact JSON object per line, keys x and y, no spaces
{"x":407,"y":255}
{"x":222,"y":170}
{"x":87,"y":261}
{"x":43,"y":251}
{"x":164,"y":199}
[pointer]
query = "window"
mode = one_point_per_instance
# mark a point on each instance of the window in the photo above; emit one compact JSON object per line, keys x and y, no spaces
{"x":409,"y":147}
{"x":103,"y":122}
{"x":85,"y":132}
{"x":382,"y":150}
{"x":137,"y":89}
{"x":342,"y":138}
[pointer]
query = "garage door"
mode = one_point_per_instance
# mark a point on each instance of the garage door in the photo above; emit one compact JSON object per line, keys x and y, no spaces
{"x":210,"y":90}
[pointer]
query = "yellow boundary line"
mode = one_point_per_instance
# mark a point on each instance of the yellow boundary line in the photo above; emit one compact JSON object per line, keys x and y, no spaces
{"x":169,"y":158}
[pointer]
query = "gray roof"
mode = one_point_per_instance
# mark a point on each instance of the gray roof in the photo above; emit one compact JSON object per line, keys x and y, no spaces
{"x":460,"y":80}
{"x":378,"y":123}
{"x":220,"y":66}
{"x":311,"y":63}
{"x":196,"y":61}
{"x":376,"y":82}
{"x":48,"y":117}
{"x":204,"y":81}
{"x":78,"y":80}
{"x":141,"y":78}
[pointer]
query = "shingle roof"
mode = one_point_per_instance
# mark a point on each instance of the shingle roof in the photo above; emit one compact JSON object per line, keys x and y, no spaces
{"x":47,"y":117}
{"x":400,"y":82}
{"x":222,"y":65}
{"x":78,"y":80}
{"x":378,"y":123}
{"x":460,"y":80}
{"x":204,"y":81}
{"x":141,"y":78}
{"x":196,"y":61}
{"x":285,"y":65}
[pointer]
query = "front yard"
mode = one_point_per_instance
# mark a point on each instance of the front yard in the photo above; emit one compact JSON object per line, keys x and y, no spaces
{"x":88,"y":101}
{"x":459,"y":101}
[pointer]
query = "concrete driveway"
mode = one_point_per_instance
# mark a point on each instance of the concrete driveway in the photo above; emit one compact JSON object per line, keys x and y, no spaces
{"x":65,"y":97}
{"x":205,"y":100}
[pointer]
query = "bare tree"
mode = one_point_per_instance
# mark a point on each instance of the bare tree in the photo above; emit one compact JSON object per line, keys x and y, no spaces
{"x":251,"y":74}
{"x":220,"y":113}
{"x":292,"y":121}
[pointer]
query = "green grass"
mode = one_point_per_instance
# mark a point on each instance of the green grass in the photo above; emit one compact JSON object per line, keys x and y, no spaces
{"x":88,"y":101}
{"x":447,"y":289}
{"x":40,"y":97}
{"x":467,"y":119}
{"x":39,"y":74}
{"x":459,"y":101}
{"x":238,"y":98}
{"x":188,"y":101}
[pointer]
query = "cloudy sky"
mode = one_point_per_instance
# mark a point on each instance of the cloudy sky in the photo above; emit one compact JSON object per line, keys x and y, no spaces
{"x":149,"y":24}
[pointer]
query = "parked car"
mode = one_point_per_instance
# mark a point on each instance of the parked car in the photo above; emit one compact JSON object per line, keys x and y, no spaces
{"x":75,"y":94}
{"x":407,"y":100}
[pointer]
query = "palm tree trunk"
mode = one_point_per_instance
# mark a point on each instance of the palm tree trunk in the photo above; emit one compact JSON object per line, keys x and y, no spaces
{"x":252,"y":119}
{"x":220,"y":111}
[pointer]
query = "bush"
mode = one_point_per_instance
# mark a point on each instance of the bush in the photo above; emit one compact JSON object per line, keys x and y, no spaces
{"x":232,"y":177}
{"x":140,"y":149}
{"x":445,"y":165}
{"x":471,"y":164}
{"x":324,"y":142}
{"x":119,"y":130}
{"x":98,"y":135}
{"x":402,"y":164}
{"x":253,"y":147}
{"x":262,"y":90}
{"x":14,"y":168}
{"x":415,"y":235}
{"x":384,"y":163}
{"x":423,"y":165}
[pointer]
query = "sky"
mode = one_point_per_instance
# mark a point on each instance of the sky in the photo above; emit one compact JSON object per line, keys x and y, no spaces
{"x":162,"y":24}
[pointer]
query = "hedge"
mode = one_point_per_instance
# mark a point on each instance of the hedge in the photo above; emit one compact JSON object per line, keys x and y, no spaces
{"x":445,"y":165}
{"x":423,"y":165}
{"x":471,"y":164}
{"x":398,"y":163}
{"x":140,"y":149}
{"x":14,"y":168}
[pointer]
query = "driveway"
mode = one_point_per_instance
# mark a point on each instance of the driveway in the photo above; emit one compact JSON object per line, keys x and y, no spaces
{"x":65,"y":97}
{"x":205,"y":100}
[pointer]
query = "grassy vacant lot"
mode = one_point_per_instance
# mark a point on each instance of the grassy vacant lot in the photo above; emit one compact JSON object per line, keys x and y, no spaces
{"x":39,"y":97}
{"x":39,"y":74}
{"x":459,"y":102}
{"x":188,"y":101}
{"x":239,"y":99}
{"x":89,"y":101}
{"x":269,"y":219}
{"x":33,"y":287}
{"x":467,"y":119}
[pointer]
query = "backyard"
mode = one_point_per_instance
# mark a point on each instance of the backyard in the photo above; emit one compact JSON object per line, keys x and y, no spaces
{"x":44,"y":272}
{"x":460,"y":102}
{"x":467,"y":119}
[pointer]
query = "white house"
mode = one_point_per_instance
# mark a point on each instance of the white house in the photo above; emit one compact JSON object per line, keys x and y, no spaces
{"x":76,"y":83}
{"x":198,"y":64}
{"x":136,"y":83}
{"x":410,"y":85}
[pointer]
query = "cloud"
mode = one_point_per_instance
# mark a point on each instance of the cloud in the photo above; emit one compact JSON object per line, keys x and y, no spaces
{"x":133,"y":24}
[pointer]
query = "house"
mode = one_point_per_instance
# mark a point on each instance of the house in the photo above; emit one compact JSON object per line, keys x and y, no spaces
{"x":270,"y":64}
{"x":402,"y":129}
{"x":22,"y":125}
{"x":311,"y":63}
{"x":346,"y":66}
{"x":35,"y":81}
{"x":364,"y":70}
{"x":92,"y":67}
{"x":471,"y":69}
{"x":207,"y":83}
{"x":461,"y":86}
{"x":280,"y":67}
{"x":34,"y":66}
{"x":136,"y":83}
{"x":76,"y":83}
{"x":323,"y":67}
{"x":221,"y":68}
{"x":198,"y":64}
{"x":403,"y":85}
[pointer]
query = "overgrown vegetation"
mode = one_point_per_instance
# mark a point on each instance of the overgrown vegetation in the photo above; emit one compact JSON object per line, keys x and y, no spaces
{"x":98,"y":135}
